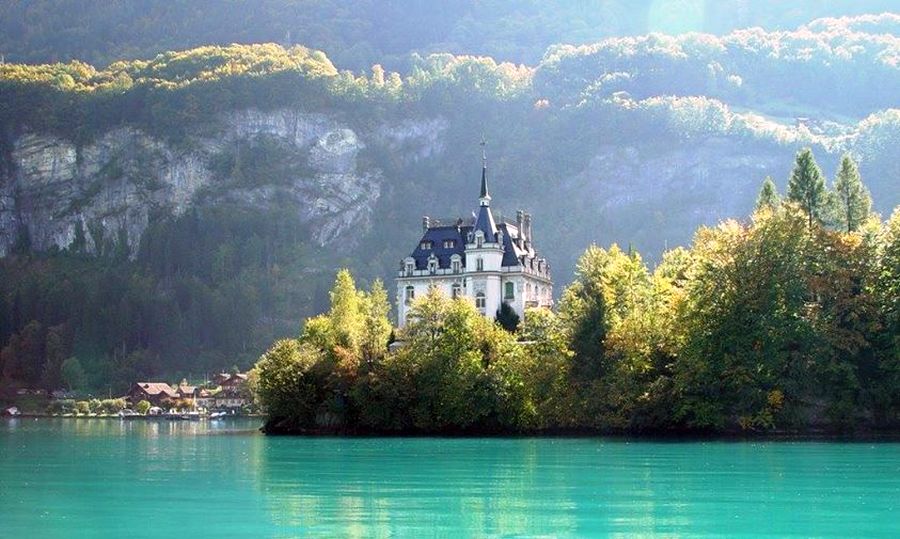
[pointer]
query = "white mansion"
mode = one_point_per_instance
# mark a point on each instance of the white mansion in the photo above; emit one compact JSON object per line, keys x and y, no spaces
{"x":489,"y":261}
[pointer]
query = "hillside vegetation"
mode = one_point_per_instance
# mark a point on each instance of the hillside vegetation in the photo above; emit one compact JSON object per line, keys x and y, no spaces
{"x":359,"y":33}
{"x":639,"y":139}
{"x":783,"y":323}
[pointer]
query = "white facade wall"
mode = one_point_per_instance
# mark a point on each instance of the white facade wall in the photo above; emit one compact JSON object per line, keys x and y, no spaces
{"x":420,"y":287}
{"x":528,"y":290}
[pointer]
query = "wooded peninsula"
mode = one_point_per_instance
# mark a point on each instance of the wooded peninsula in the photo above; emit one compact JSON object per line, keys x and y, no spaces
{"x":787,"y":322}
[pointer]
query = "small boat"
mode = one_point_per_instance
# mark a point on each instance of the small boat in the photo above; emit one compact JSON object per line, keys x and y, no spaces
{"x":217,"y":415}
{"x":174,"y":415}
{"x":129,"y":414}
{"x":12,"y":411}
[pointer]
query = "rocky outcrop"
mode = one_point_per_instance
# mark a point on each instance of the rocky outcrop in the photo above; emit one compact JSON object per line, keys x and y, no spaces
{"x":111,"y":187}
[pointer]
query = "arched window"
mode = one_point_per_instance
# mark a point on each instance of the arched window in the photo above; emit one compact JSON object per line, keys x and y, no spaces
{"x":480,"y":302}
{"x":410,"y":294}
{"x":509,"y":291}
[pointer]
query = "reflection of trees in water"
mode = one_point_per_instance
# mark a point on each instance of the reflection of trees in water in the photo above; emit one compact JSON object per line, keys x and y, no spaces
{"x":371,"y":487}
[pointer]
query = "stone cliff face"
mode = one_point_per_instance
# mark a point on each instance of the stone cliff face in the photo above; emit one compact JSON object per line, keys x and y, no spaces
{"x":329,"y":172}
{"x":113,"y":185}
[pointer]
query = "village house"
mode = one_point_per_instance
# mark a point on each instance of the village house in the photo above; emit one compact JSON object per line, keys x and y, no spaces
{"x":156,"y":393}
{"x":206,"y":398}
{"x":233,"y":392}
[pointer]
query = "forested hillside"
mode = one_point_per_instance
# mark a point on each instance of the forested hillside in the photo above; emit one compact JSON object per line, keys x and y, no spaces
{"x":359,"y":33}
{"x":175,"y":214}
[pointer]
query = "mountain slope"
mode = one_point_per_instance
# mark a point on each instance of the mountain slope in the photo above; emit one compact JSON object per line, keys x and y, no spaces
{"x":230,"y":182}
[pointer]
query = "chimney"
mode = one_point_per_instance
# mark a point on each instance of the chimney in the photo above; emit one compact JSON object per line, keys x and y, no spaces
{"x":425,"y":223}
{"x":520,"y":215}
{"x":528,"y":228}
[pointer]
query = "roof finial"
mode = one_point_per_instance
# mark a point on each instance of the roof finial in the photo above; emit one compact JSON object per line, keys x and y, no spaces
{"x":485,"y":198}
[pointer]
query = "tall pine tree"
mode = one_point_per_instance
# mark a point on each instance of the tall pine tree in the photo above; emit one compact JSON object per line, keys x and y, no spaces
{"x":806,"y":186}
{"x":768,"y":195}
{"x":853,"y":200}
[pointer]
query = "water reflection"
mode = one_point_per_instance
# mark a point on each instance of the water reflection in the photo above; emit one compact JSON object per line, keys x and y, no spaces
{"x":101,"y":476}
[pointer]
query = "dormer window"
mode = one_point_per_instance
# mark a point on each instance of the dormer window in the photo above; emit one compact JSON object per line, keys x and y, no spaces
{"x":449,"y":244}
{"x":425,"y":245}
{"x":456,"y":266}
{"x":409,"y":266}
{"x":432,"y":264}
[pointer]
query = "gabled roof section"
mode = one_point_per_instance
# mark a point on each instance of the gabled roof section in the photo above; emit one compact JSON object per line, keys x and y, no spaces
{"x":437,"y":236}
{"x":511,"y":251}
{"x":157,"y":388}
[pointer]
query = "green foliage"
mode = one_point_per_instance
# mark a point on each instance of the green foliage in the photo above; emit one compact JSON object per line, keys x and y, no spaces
{"x":853,"y":202}
{"x":197,"y":288}
{"x":746,"y":307}
{"x":887,"y":390}
{"x":288,"y":381}
{"x":142,"y":407}
{"x":758,"y":326}
{"x":83,"y":407}
{"x":806,"y":187}
{"x":109,"y":406}
{"x":583,"y":312}
{"x":768,"y":195}
{"x":346,"y":313}
{"x":61,"y":406}
{"x":507,"y":317}
{"x":72,"y":374}
{"x":376,"y":323}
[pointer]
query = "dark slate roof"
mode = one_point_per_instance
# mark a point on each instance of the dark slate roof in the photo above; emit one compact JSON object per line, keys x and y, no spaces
{"x":485,"y":223}
{"x":437,"y":235}
{"x":511,"y":252}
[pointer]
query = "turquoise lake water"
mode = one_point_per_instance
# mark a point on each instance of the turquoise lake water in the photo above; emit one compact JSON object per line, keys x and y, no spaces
{"x":106,"y":478}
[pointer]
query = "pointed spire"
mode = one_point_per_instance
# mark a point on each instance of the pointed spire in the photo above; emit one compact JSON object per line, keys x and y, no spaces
{"x":484,"y":197}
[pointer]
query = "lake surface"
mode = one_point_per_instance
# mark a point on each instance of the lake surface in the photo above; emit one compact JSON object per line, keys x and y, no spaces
{"x":106,"y":478}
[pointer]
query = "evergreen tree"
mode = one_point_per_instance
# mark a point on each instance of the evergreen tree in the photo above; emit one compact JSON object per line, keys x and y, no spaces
{"x":806,"y":187}
{"x":583,"y":311}
{"x":768,"y":195}
{"x":72,"y":373}
{"x":853,"y":202}
{"x":507,"y":318}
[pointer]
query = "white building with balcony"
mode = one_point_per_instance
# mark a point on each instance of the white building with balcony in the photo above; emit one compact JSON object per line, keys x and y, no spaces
{"x":491,"y":262}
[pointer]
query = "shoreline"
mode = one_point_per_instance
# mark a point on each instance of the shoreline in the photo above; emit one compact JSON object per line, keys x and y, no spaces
{"x":115,"y":416}
{"x":861,"y":435}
